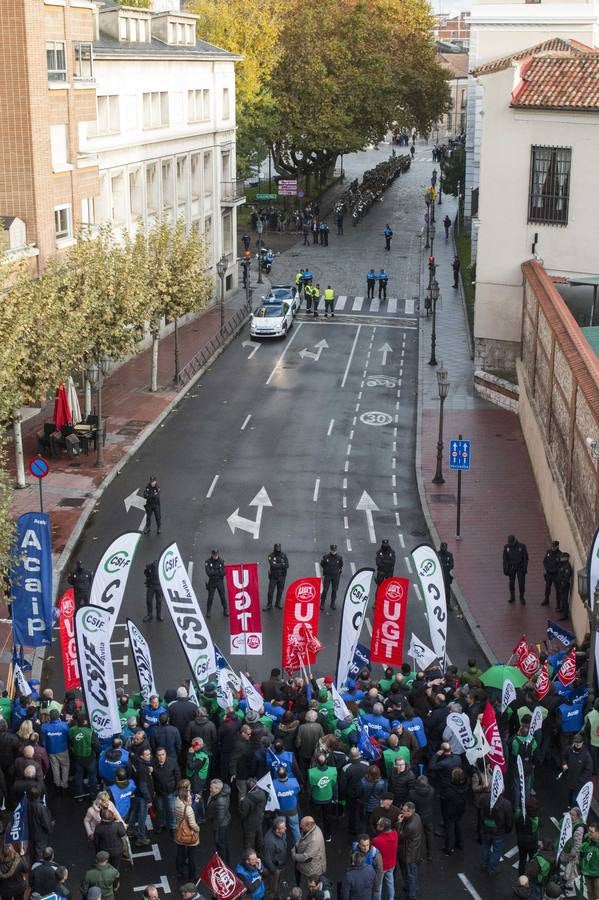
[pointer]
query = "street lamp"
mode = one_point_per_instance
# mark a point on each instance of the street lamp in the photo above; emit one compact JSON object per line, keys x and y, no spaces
{"x":440,"y":181}
{"x":434,"y":297}
{"x":427,"y":200}
{"x":96,"y":372}
{"x":221,"y":270}
{"x":433,"y":232}
{"x":443,"y":385}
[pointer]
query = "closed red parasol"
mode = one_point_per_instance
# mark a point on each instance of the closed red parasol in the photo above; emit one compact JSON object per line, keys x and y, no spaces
{"x":62,"y":411}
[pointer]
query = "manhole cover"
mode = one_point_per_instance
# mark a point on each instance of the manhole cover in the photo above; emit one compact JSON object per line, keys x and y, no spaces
{"x":137,"y":423}
{"x":72,"y":501}
{"x":443,"y":498}
{"x":128,"y":431}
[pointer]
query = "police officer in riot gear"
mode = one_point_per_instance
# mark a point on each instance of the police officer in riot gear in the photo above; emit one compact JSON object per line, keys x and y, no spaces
{"x":563,"y":584}
{"x":551,"y":562}
{"x":385,"y":561}
{"x":215,"y":570}
{"x":81,"y":582}
{"x":153,"y":592}
{"x":277,"y":573}
{"x":446,"y":560}
{"x":331,"y":565}
{"x":515,"y":565}
{"x":152,"y":498}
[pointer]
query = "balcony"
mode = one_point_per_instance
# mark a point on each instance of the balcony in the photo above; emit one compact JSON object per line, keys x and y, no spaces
{"x":232,"y":193}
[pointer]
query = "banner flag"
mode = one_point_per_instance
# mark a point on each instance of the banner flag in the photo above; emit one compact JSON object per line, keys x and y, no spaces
{"x":491,"y":731}
{"x":266,"y":784}
{"x":300,"y":623}
{"x":430,"y":575}
{"x":536,"y":721}
{"x":143,"y":661}
{"x":508,"y":694}
{"x":110,"y":577}
{"x":521,"y":648}
{"x":542,"y":682}
{"x":422,"y":655}
{"x":17,"y":830}
{"x":224,"y":694}
{"x":221,"y":881}
{"x":459,"y":724}
{"x":584,"y":798}
{"x":389,"y":623}
{"x":93,"y":631}
{"x":186,"y":614}
{"x":31,"y":581}
{"x":522,"y":785}
{"x":497,"y":786}
{"x":360,"y":661}
{"x":223,"y":663}
{"x":480,"y":747}
{"x":567,"y":670}
{"x":565,"y":834}
{"x":66,"y":606}
{"x":555,"y":632}
{"x":355,"y":602}
{"x":243,"y":590}
{"x":252,"y":695}
{"x":23,"y":686}
{"x":341,"y":710}
{"x":528,"y":662}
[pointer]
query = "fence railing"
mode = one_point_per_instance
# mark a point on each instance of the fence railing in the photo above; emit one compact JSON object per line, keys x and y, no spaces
{"x":231,"y":326}
{"x":230,"y":191}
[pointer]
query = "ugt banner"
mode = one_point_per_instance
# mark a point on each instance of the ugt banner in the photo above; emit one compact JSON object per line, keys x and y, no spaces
{"x":93,"y":632}
{"x":389,"y":625}
{"x":66,"y":605}
{"x":300,"y":623}
{"x":352,"y":617}
{"x":110,"y":578}
{"x":143,"y":661}
{"x":243,"y":589}
{"x":430,"y":576}
{"x":221,"y":881}
{"x":186,"y":614}
{"x":31,"y":581}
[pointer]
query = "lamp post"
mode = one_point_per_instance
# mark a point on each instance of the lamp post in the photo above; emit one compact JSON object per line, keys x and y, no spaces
{"x":96,"y":373}
{"x":434,"y":297}
{"x":221,"y":270}
{"x":440,"y":181}
{"x":443,"y":385}
{"x":593,"y":614}
{"x":433,"y":232}
{"x":427,"y":200}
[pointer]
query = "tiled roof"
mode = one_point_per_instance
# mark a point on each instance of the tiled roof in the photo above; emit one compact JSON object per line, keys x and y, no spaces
{"x":553,"y":45}
{"x":559,"y":82}
{"x":457,"y":63}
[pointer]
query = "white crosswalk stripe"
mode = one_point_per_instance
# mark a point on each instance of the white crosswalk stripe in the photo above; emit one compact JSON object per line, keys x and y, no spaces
{"x":409,"y":307}
{"x":374,"y":305}
{"x":392,"y":305}
{"x":341,"y":301}
{"x":358,"y":301}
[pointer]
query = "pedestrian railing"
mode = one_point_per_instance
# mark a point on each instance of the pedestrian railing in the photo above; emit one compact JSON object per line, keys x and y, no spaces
{"x":208,"y":351}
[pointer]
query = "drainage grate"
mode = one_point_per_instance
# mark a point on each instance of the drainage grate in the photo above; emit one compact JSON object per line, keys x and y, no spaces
{"x":443,"y":498}
{"x":130,"y":432}
{"x":71,"y":501}
{"x":137,"y":423}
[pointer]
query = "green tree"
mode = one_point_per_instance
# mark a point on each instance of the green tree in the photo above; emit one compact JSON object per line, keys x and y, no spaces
{"x":176,"y":282}
{"x":138,"y":4}
{"x":454,"y":172}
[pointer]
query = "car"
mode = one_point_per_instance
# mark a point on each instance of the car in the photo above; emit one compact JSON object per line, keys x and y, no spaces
{"x":285,"y":292}
{"x":272,"y":319}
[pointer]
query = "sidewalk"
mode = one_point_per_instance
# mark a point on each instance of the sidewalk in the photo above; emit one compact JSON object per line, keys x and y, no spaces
{"x":499,"y":494}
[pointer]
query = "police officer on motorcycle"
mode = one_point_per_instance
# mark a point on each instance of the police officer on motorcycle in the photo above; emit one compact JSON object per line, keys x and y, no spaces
{"x":277,"y":573}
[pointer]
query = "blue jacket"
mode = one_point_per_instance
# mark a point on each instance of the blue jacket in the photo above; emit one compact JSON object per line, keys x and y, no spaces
{"x":107,"y":767}
{"x":571,"y":717}
{"x":122,"y":796}
{"x":151,"y":716}
{"x":249,"y":876}
{"x":55,"y":736}
{"x":287,"y":792}
{"x":378,"y":726}
{"x":284,"y":758}
{"x":416,"y":727}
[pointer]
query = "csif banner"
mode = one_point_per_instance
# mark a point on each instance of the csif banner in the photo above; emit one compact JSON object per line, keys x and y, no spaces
{"x":422,"y":655}
{"x":352,"y":618}
{"x":497,"y":786}
{"x":31,"y":581}
{"x":459,"y":725}
{"x":93,"y":627}
{"x":143,"y":661}
{"x":300,"y":623}
{"x":508,"y":694}
{"x":110,"y":577}
{"x":430,"y":575}
{"x":66,"y":605}
{"x":243,"y":589}
{"x":389,"y":622}
{"x":584,"y":798}
{"x":186,"y":614}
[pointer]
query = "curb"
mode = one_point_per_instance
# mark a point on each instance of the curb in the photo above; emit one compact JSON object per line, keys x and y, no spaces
{"x":471,"y":622}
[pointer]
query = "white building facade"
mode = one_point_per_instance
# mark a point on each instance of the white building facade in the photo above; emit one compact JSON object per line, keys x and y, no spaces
{"x":164,"y":137}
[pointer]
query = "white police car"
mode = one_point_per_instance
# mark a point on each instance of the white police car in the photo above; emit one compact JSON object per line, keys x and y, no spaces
{"x":286,"y":292}
{"x":273,"y":319}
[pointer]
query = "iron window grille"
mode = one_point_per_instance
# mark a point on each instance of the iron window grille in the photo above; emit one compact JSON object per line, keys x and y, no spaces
{"x":549,"y":190}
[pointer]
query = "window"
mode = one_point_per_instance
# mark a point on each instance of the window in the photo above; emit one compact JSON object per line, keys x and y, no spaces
{"x":152,"y":188}
{"x":63,"y":222}
{"x":88,"y":211}
{"x":182,"y":179}
{"x":83,"y":62}
{"x":208,"y":235}
{"x":227,"y":233}
{"x":136,"y":195}
{"x":56,"y":61}
{"x":155,"y":109}
{"x":207,"y":174}
{"x":226,"y":104}
{"x":167,"y":184}
{"x":108,"y":114}
{"x":549,"y":188}
{"x":58,"y":147}
{"x":198,"y":106}
{"x":196,"y":176}
{"x":225,"y":166}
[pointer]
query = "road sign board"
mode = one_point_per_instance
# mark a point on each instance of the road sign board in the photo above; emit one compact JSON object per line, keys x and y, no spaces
{"x":300,"y":193}
{"x":288,"y":187}
{"x":266,"y":196}
{"x":38,"y":467}
{"x":459,"y":455}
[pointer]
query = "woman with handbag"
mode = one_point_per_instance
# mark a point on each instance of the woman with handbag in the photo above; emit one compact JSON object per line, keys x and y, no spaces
{"x":187,"y":833}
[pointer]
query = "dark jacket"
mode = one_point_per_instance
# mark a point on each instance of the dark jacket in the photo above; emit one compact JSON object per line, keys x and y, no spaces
{"x":423,"y":798}
{"x":580,"y":768}
{"x":40,"y":821}
{"x":11,"y":878}
{"x":455,"y":799}
{"x":167,"y":737}
{"x":353,"y":773}
{"x":243,"y":762}
{"x":9,"y":750}
{"x":274,"y":855}
{"x":180,"y":713}
{"x":251,"y":808}
{"x":411,"y":840}
{"x":515,"y":558}
{"x":152,"y":495}
{"x":501,"y":815}
{"x":400,"y":785}
{"x":359,"y":883}
{"x":43,"y":878}
{"x":217,"y":808}
{"x":287,"y":732}
{"x":204,"y":729}
{"x":108,"y":836}
{"x":332,"y":564}
{"x":143,"y":778}
{"x":166,"y":776}
{"x":441,"y":768}
{"x":227,"y":736}
{"x":215,"y":569}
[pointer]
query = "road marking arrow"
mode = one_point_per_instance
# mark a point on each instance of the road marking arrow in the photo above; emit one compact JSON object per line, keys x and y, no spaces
{"x":369,"y":506}
{"x":320,"y":346}
{"x":135,"y":500}
{"x":255,"y":347}
{"x":385,"y":349}
{"x":235,"y":521}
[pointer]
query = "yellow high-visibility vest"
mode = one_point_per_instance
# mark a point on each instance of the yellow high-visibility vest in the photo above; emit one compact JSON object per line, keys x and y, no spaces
{"x":329,"y":294}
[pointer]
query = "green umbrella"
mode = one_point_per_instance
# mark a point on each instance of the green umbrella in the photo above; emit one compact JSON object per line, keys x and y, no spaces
{"x":496,"y":675}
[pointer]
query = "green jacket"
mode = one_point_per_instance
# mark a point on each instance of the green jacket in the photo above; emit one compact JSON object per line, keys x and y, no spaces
{"x":6,"y":708}
{"x":343,"y":734}
{"x":103,"y":877}
{"x":472,"y":673}
{"x":323,"y":784}
{"x":390,"y":756}
{"x":592,"y":719}
{"x":201,"y":764}
{"x":80,"y":741}
{"x":589,"y":858}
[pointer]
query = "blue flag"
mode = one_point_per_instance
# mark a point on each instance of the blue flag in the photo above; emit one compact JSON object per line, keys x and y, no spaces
{"x":17,"y":829}
{"x":31,"y":581}
{"x":364,"y":745}
{"x":273,"y":760}
{"x":360,"y":661}
{"x":221,"y":660}
{"x":555,"y":632}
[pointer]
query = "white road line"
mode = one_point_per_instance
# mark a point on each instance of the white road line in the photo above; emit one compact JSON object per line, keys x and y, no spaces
{"x":510,"y":853}
{"x":348,"y":544}
{"x":394,"y":446}
{"x":345,"y":523}
{"x":344,"y":501}
{"x":190,"y":569}
{"x":402,"y":352}
{"x":357,"y":407}
{"x":394,"y":500}
{"x":555,"y":822}
{"x":394,"y":481}
{"x":393,"y":463}
{"x":245,"y":422}
{"x":374,"y":306}
{"x":409,"y":307}
{"x":364,"y":373}
{"x":351,"y":356}
{"x":161,"y":883}
{"x":124,"y":680}
{"x":352,"y":566}
{"x":290,"y":341}
{"x":124,"y":643}
{"x":397,"y":404}
{"x":406,"y":559}
{"x":395,"y":431}
{"x":120,"y":625}
{"x":417,"y":591}
{"x":331,"y":423}
{"x":212,"y":486}
{"x":358,"y":301}
{"x":341,"y":301}
{"x":361,"y":385}
{"x":469,"y":886}
{"x":396,"y":417}
{"x":354,"y":420}
{"x":400,"y":371}
{"x":351,"y":435}
{"x":316,"y":489}
{"x":401,"y":540}
{"x":345,"y":484}
{"x":392,"y":308}
{"x":317,"y":569}
{"x":369,"y":626}
{"x":397,"y":522}
{"x":348,"y":451}
{"x":346,"y":466}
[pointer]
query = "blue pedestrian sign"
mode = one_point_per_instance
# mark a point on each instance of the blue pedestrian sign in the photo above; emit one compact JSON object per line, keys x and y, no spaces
{"x":459,"y":455}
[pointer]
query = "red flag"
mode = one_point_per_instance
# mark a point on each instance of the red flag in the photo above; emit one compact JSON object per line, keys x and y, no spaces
{"x":529,"y":662}
{"x":491,"y":732}
{"x":521,"y":648}
{"x":220,"y":880}
{"x":67,"y":640}
{"x":389,"y":625}
{"x":300,"y":623}
{"x":567,"y":670}
{"x":542,"y":685}
{"x":243,"y":590}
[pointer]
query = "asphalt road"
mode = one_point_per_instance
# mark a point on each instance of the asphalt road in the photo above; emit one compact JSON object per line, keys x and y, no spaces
{"x":315,"y":432}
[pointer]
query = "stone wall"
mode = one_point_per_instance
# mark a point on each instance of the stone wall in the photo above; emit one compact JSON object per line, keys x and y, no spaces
{"x":497,"y":390}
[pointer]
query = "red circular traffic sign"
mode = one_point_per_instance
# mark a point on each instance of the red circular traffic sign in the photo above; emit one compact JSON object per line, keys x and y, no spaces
{"x":38,"y":467}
